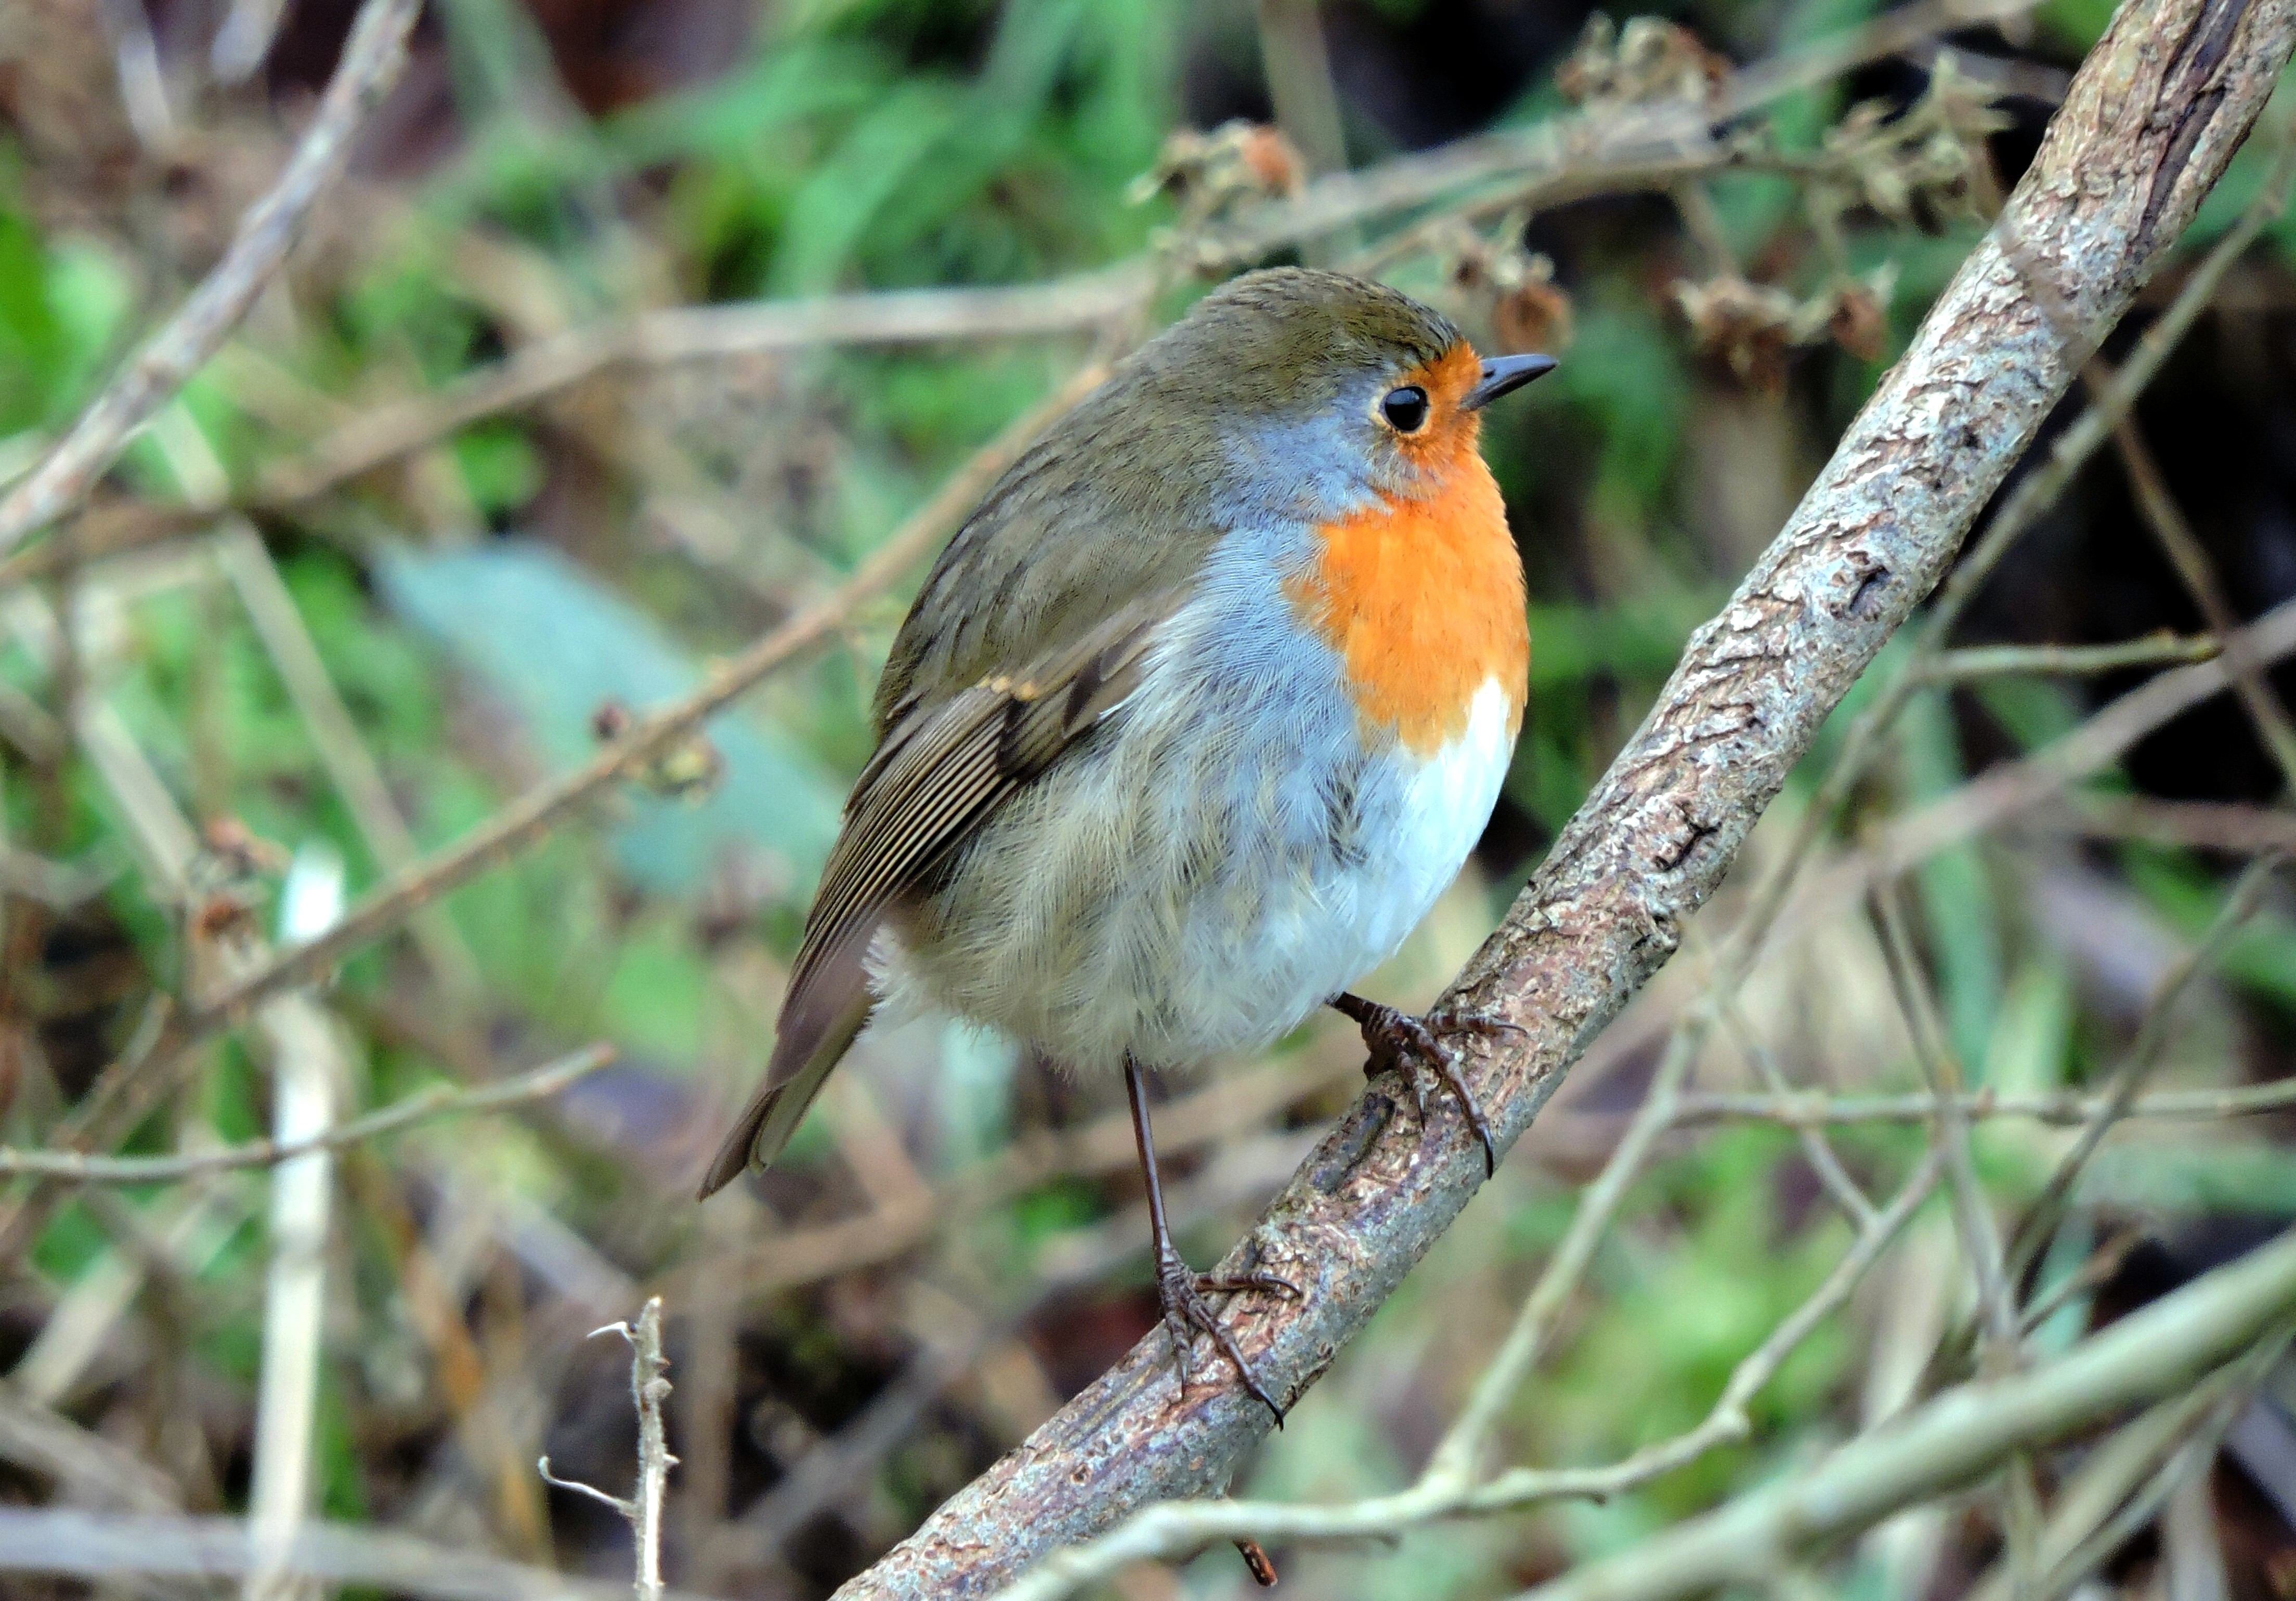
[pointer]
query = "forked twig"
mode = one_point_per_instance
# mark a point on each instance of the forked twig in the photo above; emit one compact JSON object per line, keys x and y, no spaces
{"x":650,"y":1390}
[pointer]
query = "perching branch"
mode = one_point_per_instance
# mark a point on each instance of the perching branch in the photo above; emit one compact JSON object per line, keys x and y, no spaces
{"x":2147,"y":127}
{"x":370,"y":61}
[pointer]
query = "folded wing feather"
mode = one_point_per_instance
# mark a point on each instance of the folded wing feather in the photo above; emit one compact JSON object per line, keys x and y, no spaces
{"x":940,"y":770}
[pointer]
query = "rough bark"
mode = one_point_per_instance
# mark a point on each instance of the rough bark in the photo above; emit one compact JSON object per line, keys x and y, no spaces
{"x":2151,"y":120}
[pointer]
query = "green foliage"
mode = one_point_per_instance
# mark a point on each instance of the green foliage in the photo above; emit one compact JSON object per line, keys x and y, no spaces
{"x":1690,"y":1293}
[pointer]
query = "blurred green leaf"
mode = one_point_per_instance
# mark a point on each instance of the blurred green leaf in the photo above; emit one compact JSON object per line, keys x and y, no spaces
{"x":560,"y":645}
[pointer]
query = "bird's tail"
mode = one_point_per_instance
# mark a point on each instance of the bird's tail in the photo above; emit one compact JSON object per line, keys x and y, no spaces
{"x":812,"y":1038}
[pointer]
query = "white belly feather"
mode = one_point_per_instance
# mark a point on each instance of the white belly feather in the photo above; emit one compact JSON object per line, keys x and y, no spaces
{"x":1183,"y":920}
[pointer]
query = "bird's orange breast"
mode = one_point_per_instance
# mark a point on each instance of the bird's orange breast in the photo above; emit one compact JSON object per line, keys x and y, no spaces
{"x":1422,"y":598}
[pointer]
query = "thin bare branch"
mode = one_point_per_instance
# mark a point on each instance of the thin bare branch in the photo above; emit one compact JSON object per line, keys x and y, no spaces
{"x":2040,"y":488}
{"x":1974,"y":662}
{"x":1811,"y":1108}
{"x":1972,"y":1215}
{"x":425,"y":1105}
{"x":1823,"y":1159}
{"x":1458,"y":1457}
{"x":335,"y":737}
{"x":2202,"y":825}
{"x":2177,"y":541}
{"x":2048,"y":1209}
{"x":374,"y":439}
{"x":1561,"y":160}
{"x":1104,"y":1146}
{"x":47,"y":1539}
{"x":2113,"y":1478}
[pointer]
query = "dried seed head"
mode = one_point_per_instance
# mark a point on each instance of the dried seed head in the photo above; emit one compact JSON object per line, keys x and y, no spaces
{"x":1649,"y":61}
{"x":1514,"y":288}
{"x":1209,"y":174}
{"x":1748,"y":326}
{"x":1859,"y":322}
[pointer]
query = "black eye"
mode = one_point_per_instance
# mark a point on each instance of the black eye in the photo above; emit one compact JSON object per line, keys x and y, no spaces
{"x":1405,"y":409}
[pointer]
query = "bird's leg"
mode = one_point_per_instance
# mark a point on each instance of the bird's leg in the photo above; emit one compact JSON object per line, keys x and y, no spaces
{"x":1181,"y":1289}
{"x":1396,"y":1039}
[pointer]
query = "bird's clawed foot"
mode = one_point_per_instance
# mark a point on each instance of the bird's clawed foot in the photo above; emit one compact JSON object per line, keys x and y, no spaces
{"x":1410,"y":1045}
{"x":1182,"y":1290}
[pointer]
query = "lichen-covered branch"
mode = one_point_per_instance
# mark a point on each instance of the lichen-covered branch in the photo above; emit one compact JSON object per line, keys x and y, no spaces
{"x":2148,"y":126}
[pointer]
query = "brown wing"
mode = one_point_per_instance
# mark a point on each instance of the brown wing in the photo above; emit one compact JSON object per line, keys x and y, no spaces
{"x":938,"y":772}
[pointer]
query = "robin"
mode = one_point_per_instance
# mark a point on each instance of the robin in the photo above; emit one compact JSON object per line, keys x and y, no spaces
{"x":1191,"y":723}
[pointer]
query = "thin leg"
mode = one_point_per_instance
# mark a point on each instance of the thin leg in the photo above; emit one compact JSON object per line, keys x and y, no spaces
{"x":1397,"y":1040}
{"x":1181,"y":1288}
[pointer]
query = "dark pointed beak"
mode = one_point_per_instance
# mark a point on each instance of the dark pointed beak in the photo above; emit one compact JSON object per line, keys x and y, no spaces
{"x":1503,"y":375}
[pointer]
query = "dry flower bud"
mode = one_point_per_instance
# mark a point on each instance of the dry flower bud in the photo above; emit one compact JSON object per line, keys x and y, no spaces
{"x":231,"y":853}
{"x":1750,"y":326}
{"x":1860,"y":322}
{"x":1534,"y":316}
{"x":223,"y":915}
{"x":1270,"y":158}
{"x":1648,"y":62}
{"x":1209,"y":173}
{"x":1529,"y":311}
{"x":688,"y":771}
{"x":610,"y":721}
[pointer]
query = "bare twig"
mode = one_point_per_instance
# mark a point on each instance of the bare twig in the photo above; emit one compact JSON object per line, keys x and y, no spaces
{"x":2202,"y":825}
{"x":649,"y":1389}
{"x":45,"y":1540}
{"x":1821,"y":1156}
{"x":1105,"y":1146}
{"x":2033,"y":492}
{"x":425,"y":1105}
{"x":348,"y":763}
{"x":2182,"y":546}
{"x":1973,"y":1216}
{"x":374,"y":439}
{"x":1458,"y":1457}
{"x":2012,"y":787}
{"x":2003,"y":661}
{"x":1800,"y":1109}
{"x":1643,"y":149}
{"x":2113,"y":1479}
{"x":2048,"y":1208}
{"x":91,"y":1468}
{"x":370,"y":61}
